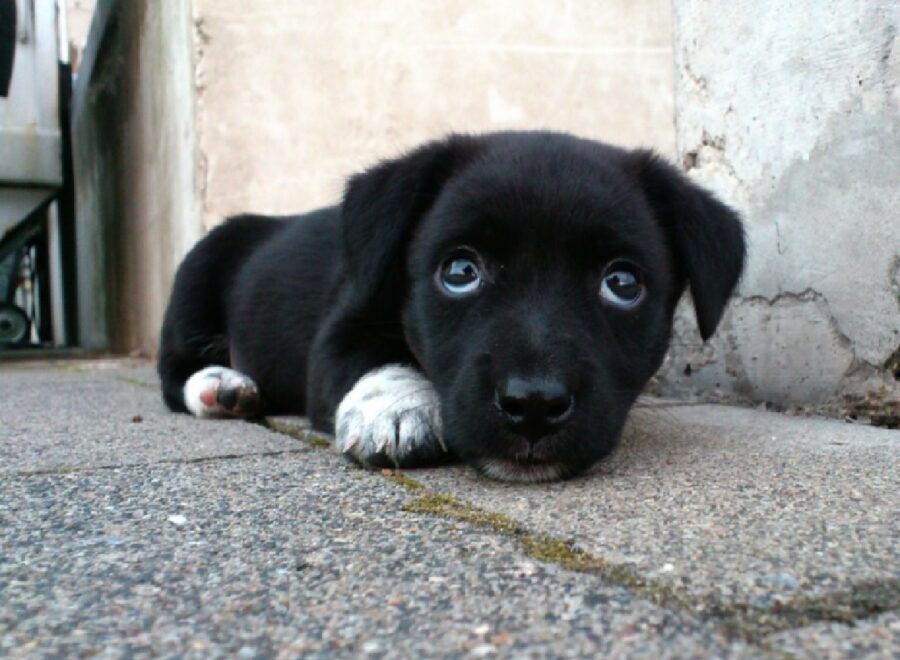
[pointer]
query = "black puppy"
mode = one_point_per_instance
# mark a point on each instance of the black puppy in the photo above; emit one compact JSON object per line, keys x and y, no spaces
{"x":501,"y":299}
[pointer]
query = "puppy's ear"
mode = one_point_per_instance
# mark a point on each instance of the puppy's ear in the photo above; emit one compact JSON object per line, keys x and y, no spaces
{"x":382,"y":206}
{"x":706,"y":237}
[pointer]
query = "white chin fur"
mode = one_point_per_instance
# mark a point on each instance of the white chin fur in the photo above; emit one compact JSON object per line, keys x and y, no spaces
{"x":391,"y":411}
{"x":506,"y":470}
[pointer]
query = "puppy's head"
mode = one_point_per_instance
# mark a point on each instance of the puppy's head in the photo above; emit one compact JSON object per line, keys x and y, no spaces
{"x":535,"y":276}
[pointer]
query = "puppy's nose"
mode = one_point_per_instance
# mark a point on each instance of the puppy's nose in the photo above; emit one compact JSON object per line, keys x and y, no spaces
{"x":534,"y":407}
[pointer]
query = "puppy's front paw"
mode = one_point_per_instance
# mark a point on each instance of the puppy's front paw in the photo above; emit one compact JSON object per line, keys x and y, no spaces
{"x":221,"y":392}
{"x":391,"y":418}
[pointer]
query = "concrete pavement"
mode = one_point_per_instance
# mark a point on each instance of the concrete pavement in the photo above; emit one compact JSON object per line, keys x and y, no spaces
{"x":714,"y":532}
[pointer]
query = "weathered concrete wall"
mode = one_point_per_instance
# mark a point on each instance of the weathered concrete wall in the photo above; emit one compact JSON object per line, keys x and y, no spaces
{"x":295,"y":96}
{"x":136,"y":183}
{"x":791,"y":111}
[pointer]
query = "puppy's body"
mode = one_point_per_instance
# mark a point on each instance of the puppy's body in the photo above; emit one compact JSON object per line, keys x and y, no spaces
{"x":233,"y":304}
{"x":503,"y":298}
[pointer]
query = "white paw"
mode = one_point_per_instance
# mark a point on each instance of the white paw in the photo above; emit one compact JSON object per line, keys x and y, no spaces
{"x":221,"y":392}
{"x":391,"y":413}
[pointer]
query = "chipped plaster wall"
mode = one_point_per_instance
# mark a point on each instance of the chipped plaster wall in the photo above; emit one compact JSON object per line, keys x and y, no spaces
{"x":296,"y":96}
{"x":791,"y":112}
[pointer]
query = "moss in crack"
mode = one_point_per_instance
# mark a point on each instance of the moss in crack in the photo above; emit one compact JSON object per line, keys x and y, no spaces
{"x":449,"y":507}
{"x":306,"y":435}
{"x":545,"y":548}
{"x":859,"y":601}
{"x":402,"y":480}
{"x":562,"y":553}
{"x":549,"y":550}
{"x":735,"y":620}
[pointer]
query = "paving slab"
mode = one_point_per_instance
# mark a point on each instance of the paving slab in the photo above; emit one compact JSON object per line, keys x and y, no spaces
{"x":174,"y":536}
{"x":263,"y":556}
{"x":741,"y":505}
{"x":875,"y":638}
{"x":80,"y":415}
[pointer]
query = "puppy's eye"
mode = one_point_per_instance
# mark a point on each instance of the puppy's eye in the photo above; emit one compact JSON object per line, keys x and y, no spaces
{"x":622,"y":286}
{"x":460,"y":274}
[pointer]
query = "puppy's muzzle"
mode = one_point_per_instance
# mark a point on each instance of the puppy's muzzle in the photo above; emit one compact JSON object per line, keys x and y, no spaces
{"x":534,"y":407}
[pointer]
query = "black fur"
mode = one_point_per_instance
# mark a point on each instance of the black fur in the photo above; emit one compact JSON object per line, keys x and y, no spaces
{"x":307,"y":305}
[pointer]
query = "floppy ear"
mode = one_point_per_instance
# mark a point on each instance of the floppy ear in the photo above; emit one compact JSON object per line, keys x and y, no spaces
{"x":382,"y":207}
{"x":706,"y":237}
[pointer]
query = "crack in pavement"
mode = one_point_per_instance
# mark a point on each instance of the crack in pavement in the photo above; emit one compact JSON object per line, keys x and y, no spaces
{"x":169,"y":461}
{"x":736,"y":620}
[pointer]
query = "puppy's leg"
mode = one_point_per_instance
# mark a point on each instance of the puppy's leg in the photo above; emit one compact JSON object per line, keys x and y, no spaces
{"x":391,"y":418}
{"x":195,"y":334}
{"x":221,"y":392}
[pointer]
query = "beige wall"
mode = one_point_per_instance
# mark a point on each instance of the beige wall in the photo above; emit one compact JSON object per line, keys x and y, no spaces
{"x":78,"y":16}
{"x":196,"y":110}
{"x":295,"y":96}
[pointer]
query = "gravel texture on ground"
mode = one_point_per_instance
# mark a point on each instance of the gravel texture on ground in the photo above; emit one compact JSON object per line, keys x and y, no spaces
{"x":745,"y":505}
{"x":126,"y":530}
